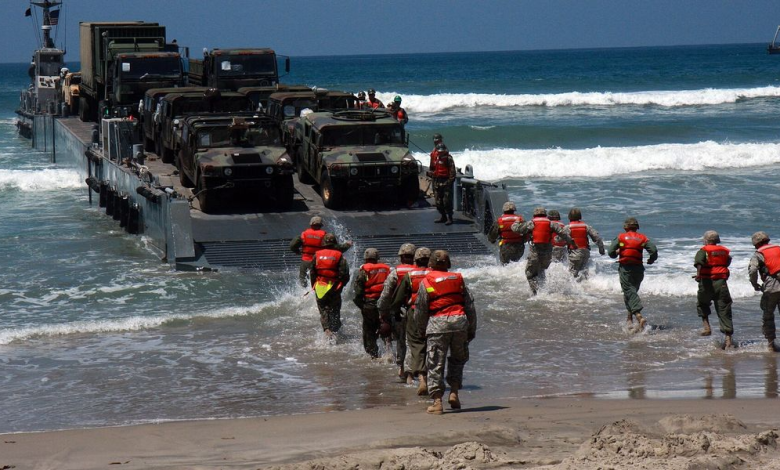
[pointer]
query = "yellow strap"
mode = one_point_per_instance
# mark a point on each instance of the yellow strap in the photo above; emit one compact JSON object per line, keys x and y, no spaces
{"x":430,"y":289}
{"x":321,"y":289}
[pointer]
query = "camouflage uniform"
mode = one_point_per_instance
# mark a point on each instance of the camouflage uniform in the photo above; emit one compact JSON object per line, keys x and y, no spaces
{"x":559,"y":250}
{"x":446,"y":333}
{"x":370,"y":313}
{"x":632,"y":275}
{"x":305,"y":267}
{"x":507,"y":252}
{"x":579,"y":257}
{"x":442,"y":186}
{"x":770,"y":297}
{"x":540,"y":254}
{"x":713,"y":290}
{"x":414,"y":360}
{"x":330,"y":304}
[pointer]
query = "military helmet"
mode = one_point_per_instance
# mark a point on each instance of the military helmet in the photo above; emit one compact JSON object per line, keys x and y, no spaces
{"x":437,"y":138}
{"x":371,"y":91}
{"x":371,"y":253}
{"x":362,"y":95}
{"x":329,"y":239}
{"x":759,"y":237}
{"x":711,"y":236}
{"x":509,"y":206}
{"x":554,"y":215}
{"x":441,"y":148}
{"x":407,"y":249}
{"x":316,"y":220}
{"x":575,"y":214}
{"x":540,"y":211}
{"x":397,"y":99}
{"x":440,"y":259}
{"x":631,"y":222}
{"x":422,"y":253}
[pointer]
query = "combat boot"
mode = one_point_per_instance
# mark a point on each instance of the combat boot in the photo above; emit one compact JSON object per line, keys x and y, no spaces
{"x":728,"y":343}
{"x":453,"y":400}
{"x":437,"y":408}
{"x":422,"y":389}
{"x":449,"y":220}
{"x":707,"y":331}
{"x":441,"y":219}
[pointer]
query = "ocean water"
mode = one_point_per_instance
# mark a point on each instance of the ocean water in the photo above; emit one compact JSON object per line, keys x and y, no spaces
{"x":95,"y":330}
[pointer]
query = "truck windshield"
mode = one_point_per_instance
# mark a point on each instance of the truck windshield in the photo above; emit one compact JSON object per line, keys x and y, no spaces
{"x":139,"y":68}
{"x":242,"y":65}
{"x":253,"y":137}
{"x":363,"y":135}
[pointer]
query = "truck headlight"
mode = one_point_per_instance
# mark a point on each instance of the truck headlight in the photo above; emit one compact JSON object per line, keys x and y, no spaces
{"x":353,"y":171}
{"x":269,"y":170}
{"x":228,"y":171}
{"x":394,"y":170}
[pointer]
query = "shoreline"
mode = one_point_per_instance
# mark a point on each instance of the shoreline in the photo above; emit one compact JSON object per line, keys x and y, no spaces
{"x":525,"y":433}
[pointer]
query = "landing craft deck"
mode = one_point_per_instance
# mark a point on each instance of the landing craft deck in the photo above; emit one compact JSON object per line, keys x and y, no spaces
{"x":189,"y":239}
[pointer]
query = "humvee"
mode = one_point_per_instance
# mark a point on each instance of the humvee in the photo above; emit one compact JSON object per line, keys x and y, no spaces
{"x":226,"y":155}
{"x":286,"y":107}
{"x":356,"y":153}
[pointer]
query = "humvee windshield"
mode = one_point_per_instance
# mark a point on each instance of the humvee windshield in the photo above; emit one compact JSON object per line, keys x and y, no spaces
{"x":362,"y":135}
{"x":225,"y":104}
{"x":140,"y":68}
{"x":216,"y":137}
{"x":293,"y":109}
{"x":253,"y":64}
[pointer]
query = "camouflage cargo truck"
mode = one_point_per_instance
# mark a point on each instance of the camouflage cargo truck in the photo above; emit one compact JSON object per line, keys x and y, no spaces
{"x":227,"y":157}
{"x":356,"y":154}
{"x":150,"y":111}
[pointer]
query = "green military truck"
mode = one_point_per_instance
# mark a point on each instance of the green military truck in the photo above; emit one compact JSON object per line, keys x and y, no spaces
{"x":231,"y":69}
{"x":226,"y":157}
{"x":150,"y":111}
{"x":362,"y":154}
{"x":258,"y":95}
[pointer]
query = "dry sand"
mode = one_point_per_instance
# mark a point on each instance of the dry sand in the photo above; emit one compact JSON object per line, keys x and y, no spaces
{"x":560,"y":433}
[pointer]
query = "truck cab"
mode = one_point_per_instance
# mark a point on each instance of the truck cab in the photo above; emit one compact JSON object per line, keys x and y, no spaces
{"x":70,"y":91}
{"x":150,"y":111}
{"x":259,"y":94}
{"x":358,"y":154}
{"x":135,"y":73}
{"x":231,"y":69}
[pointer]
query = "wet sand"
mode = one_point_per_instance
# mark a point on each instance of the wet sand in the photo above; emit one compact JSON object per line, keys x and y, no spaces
{"x":559,"y":433}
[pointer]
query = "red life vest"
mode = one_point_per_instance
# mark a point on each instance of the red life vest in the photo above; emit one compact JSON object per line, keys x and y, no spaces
{"x":326,"y":262}
{"x":376,"y":273}
{"x":717,"y":263}
{"x":630,"y":248}
{"x":402,"y":269}
{"x":445,"y":293}
{"x":312,"y":241}
{"x":372,"y":104}
{"x":555,"y":239}
{"x":440,"y":165}
{"x":579,"y":233}
{"x":401,"y":115}
{"x":771,"y":258}
{"x":505,"y":227}
{"x":542,"y":233}
{"x":416,"y":276}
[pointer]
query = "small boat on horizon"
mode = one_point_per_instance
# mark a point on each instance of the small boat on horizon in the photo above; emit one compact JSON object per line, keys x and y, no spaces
{"x":774,"y":47}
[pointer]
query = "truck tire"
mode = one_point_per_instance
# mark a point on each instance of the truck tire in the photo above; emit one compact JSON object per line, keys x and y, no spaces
{"x":205,"y":198}
{"x":284,"y":192}
{"x":83,"y":109}
{"x":303,"y":175}
{"x":409,"y":192}
{"x":167,"y":155}
{"x":183,"y":178}
{"x":331,"y":195}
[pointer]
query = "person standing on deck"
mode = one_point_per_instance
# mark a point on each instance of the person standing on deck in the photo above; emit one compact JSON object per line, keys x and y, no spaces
{"x":712,"y":272}
{"x":373,"y":102}
{"x":442,"y":174}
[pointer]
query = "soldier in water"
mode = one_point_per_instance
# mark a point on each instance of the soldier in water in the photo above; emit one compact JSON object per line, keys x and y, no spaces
{"x":329,"y":274}
{"x":541,"y":229}
{"x":511,"y":245}
{"x":712,"y":272}
{"x":579,"y":251}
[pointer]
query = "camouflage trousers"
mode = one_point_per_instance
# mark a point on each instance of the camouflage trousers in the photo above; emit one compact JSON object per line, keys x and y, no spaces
{"x":439,"y":345}
{"x":399,"y":335}
{"x":631,"y":277}
{"x":559,"y":254}
{"x":303,"y":272}
{"x":510,"y":252}
{"x":371,"y":325}
{"x":578,"y":262}
{"x":539,"y":259}
{"x":769,"y":303}
{"x":330,"y":311}
{"x":442,"y":191}
{"x":715,"y":291}
{"x":414,"y":361}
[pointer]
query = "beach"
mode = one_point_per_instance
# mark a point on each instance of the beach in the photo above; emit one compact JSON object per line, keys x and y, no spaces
{"x":561,"y":433}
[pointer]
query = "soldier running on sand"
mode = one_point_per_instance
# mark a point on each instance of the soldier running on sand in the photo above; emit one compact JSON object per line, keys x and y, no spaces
{"x":629,"y":246}
{"x":541,"y":230}
{"x":765,"y":263}
{"x":511,"y":245}
{"x":712,"y":272}
{"x":445,"y":311}
{"x":329,"y":274}
{"x":397,"y":316}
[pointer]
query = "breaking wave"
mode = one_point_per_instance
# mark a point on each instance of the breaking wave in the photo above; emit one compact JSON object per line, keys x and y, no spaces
{"x":502,"y":163}
{"x":41,"y":180}
{"x":708,"y":96}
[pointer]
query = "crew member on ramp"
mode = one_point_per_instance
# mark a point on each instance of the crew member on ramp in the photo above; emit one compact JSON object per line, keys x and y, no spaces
{"x":712,"y":272}
{"x":511,"y":245}
{"x":329,"y":274}
{"x":442,"y":174}
{"x":368,"y":287}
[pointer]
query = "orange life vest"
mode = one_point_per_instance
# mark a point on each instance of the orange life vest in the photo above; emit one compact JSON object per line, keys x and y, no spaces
{"x":556,"y":239}
{"x":717,"y":263}
{"x":579,"y":234}
{"x":326,"y":262}
{"x":445,"y":293}
{"x":542,"y":233}
{"x":440,"y":165}
{"x":312,"y":241}
{"x":376,"y":273}
{"x":416,"y":276}
{"x":372,"y":104}
{"x":402,"y":269}
{"x":505,"y":227}
{"x":630,"y":248}
{"x":771,"y":258}
{"x":400,"y":115}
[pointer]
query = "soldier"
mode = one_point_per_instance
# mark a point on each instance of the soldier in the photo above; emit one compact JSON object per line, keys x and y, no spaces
{"x":712,"y":271}
{"x":766,"y":263}
{"x":309,"y":241}
{"x":373,"y":102}
{"x":329,"y":274}
{"x":406,"y":296}
{"x":442,"y":174}
{"x":361,"y":100}
{"x":579,"y":251}
{"x":398,"y":112}
{"x":512,"y":245}
{"x":558,"y":245}
{"x":396,"y":316}
{"x":444,"y":311}
{"x":368,"y":287}
{"x":629,"y":246}
{"x":541,"y":230}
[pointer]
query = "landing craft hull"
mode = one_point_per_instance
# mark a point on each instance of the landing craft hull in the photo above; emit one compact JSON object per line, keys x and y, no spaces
{"x":149,"y":201}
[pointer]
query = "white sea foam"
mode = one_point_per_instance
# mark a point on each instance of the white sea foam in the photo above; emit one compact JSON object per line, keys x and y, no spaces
{"x":501,"y":163}
{"x":704,"y":97}
{"x":39,"y":180}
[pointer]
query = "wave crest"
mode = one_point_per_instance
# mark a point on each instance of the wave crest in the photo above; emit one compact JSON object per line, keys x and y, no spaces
{"x":39,"y":180}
